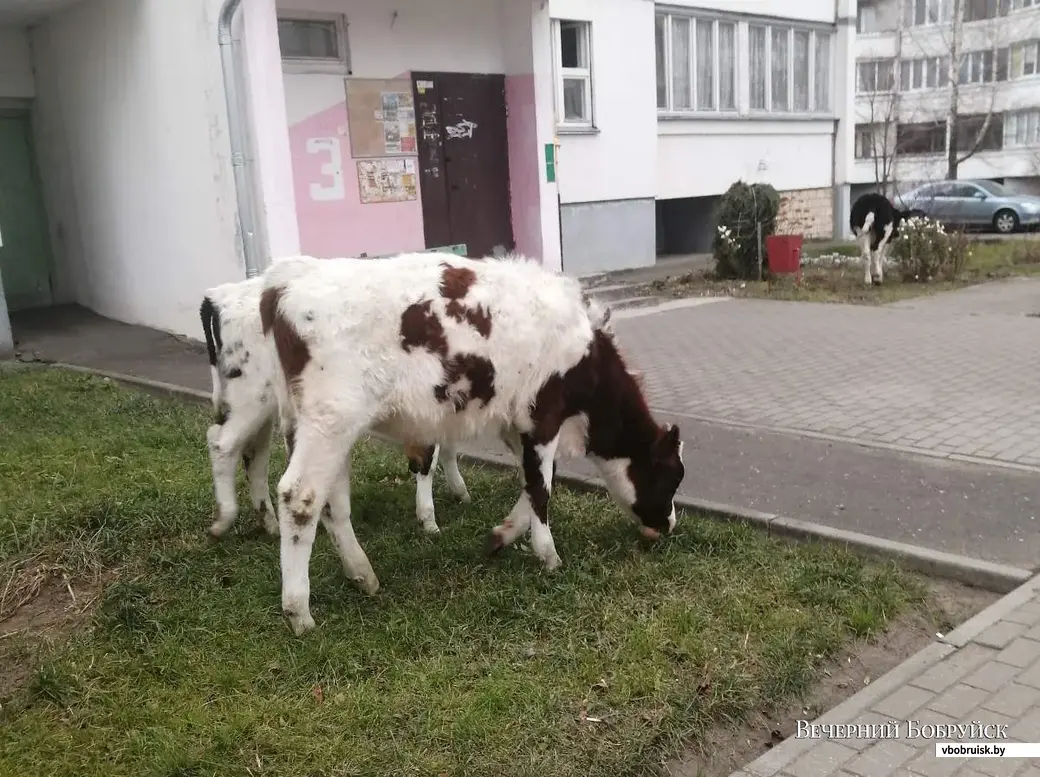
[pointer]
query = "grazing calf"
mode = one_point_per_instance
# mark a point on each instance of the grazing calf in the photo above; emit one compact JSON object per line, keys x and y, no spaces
{"x":245,"y":410}
{"x":442,"y":348}
{"x":875,"y":223}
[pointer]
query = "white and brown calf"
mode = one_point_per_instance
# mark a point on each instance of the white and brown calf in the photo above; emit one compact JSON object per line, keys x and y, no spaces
{"x":245,"y":411}
{"x":875,"y":223}
{"x":429,"y":347}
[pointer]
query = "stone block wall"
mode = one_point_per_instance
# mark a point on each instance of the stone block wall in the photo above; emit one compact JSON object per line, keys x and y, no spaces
{"x":807,"y":212}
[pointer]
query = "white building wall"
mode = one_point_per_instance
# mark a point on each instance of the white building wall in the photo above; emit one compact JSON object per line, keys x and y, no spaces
{"x":134,"y":153}
{"x":618,"y":160}
{"x":16,"y":76}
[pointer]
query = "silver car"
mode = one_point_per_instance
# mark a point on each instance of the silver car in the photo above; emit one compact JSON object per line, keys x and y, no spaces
{"x":974,"y":203}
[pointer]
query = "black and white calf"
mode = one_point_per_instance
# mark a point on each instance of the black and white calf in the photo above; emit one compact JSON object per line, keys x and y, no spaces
{"x":245,"y":411}
{"x":875,"y":223}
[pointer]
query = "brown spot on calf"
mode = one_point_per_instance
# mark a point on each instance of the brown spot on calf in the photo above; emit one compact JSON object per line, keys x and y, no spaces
{"x":478,"y":318}
{"x":420,"y":458}
{"x":456,"y":281}
{"x":293,"y":352}
{"x":421,"y":328}
{"x":480,"y":373}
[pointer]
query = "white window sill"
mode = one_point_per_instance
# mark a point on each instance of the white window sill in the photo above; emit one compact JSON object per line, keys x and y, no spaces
{"x":576,"y":129}
{"x":331,"y":67}
{"x":752,"y":116}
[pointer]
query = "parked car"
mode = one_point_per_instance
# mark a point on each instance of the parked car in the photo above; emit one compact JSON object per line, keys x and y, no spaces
{"x":974,"y":203}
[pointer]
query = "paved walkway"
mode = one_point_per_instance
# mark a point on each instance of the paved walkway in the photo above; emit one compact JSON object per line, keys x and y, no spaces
{"x":980,"y":510}
{"x":987,"y":671}
{"x":933,"y":383}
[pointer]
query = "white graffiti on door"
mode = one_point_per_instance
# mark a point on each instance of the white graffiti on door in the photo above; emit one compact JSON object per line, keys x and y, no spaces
{"x":464,"y":129}
{"x":333,"y":169}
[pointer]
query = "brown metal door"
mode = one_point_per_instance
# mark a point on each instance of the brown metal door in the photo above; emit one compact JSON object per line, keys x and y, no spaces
{"x":464,"y":160}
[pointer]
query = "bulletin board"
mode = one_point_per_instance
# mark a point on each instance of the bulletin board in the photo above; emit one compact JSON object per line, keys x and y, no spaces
{"x":381,"y":117}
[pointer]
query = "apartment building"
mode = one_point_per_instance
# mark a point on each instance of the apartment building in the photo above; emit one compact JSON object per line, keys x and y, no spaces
{"x":921,"y":63}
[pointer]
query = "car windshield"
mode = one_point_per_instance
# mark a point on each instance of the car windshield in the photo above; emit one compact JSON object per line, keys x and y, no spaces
{"x":992,"y":187}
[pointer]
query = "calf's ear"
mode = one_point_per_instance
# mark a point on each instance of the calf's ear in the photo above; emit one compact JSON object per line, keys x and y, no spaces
{"x":670,"y":439}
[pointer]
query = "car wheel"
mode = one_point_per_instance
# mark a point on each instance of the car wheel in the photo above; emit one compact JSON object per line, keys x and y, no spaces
{"x":1005,"y":221}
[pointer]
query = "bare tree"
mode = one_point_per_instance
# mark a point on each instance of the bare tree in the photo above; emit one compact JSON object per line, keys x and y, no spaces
{"x":962,"y":141}
{"x":882,"y":122}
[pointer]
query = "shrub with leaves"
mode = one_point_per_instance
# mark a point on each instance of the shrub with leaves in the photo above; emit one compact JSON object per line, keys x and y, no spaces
{"x":735,"y":246}
{"x":925,"y":251}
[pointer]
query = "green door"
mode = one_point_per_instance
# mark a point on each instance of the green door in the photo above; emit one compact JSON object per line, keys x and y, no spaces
{"x":25,"y":250}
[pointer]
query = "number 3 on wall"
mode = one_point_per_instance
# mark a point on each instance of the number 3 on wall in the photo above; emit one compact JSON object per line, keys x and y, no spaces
{"x":333,"y":169}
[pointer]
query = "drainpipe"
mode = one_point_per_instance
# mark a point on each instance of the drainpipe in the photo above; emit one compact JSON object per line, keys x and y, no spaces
{"x":238,"y":132}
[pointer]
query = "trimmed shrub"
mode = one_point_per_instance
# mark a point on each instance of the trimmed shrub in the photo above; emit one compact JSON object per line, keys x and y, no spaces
{"x":735,"y":246}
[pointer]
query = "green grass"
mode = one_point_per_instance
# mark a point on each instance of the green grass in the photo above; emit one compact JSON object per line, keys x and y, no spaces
{"x":460,"y":666}
{"x":991,"y":260}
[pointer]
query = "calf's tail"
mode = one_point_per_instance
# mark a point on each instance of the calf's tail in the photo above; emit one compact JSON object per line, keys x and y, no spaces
{"x":210,"y":315}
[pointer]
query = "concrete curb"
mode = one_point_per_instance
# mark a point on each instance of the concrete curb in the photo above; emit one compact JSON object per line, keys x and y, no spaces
{"x":876,"y":444}
{"x":986,"y":575}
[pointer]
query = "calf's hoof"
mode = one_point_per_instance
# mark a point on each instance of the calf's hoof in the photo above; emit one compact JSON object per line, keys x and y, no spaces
{"x":875,"y":281}
{"x":220,"y":525}
{"x":428,"y":522}
{"x":370,"y":585}
{"x":300,"y":623}
{"x":551,"y":563}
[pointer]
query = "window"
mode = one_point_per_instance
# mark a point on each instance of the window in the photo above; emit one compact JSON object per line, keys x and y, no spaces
{"x":779,"y":67}
{"x":869,"y":18}
{"x":697,"y":63}
{"x":969,"y":127}
{"x":983,"y":67}
{"x":979,"y":10}
{"x":314,"y":41}
{"x":1024,"y":58}
{"x":1018,"y":5}
{"x":661,"y":49}
{"x":875,"y":75}
{"x":869,"y":141}
{"x":921,"y":138}
{"x":789,"y":69}
{"x":757,"y":57}
{"x":920,"y":12}
{"x":573,"y":73}
{"x":1022,"y":128}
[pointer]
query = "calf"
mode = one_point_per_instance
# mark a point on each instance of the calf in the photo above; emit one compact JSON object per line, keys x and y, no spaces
{"x":446,"y":350}
{"x":874,"y":222}
{"x":245,"y":410}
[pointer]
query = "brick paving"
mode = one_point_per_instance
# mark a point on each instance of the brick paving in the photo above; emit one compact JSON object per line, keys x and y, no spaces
{"x":991,"y":677}
{"x":932,"y":382}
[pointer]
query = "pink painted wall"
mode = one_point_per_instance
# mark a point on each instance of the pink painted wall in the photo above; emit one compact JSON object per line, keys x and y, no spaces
{"x":525,"y":165}
{"x":344,"y":226}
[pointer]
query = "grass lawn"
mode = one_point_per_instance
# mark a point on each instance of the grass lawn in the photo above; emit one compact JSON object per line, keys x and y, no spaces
{"x":990,"y":260}
{"x":173,"y":658}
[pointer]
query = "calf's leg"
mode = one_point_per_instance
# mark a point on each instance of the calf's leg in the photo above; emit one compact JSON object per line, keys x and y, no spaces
{"x":450,"y":464}
{"x":336,"y":518}
{"x":257,"y":459}
{"x":422,"y":461}
{"x":532,"y":509}
{"x":309,"y":480}
{"x":226,"y":443}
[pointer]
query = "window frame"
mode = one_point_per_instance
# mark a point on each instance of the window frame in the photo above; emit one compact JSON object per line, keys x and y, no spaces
{"x":944,"y":15}
{"x":790,"y":28}
{"x":561,"y":74}
{"x":875,"y":62}
{"x":1012,"y":119}
{"x":693,"y":19}
{"x":339,"y":65}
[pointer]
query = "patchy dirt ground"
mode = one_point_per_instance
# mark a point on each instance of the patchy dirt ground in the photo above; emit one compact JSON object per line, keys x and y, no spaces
{"x":855,"y":667}
{"x":46,"y":608}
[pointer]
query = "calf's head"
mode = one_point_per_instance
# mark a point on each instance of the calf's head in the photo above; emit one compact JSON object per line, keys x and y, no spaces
{"x":644,"y":484}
